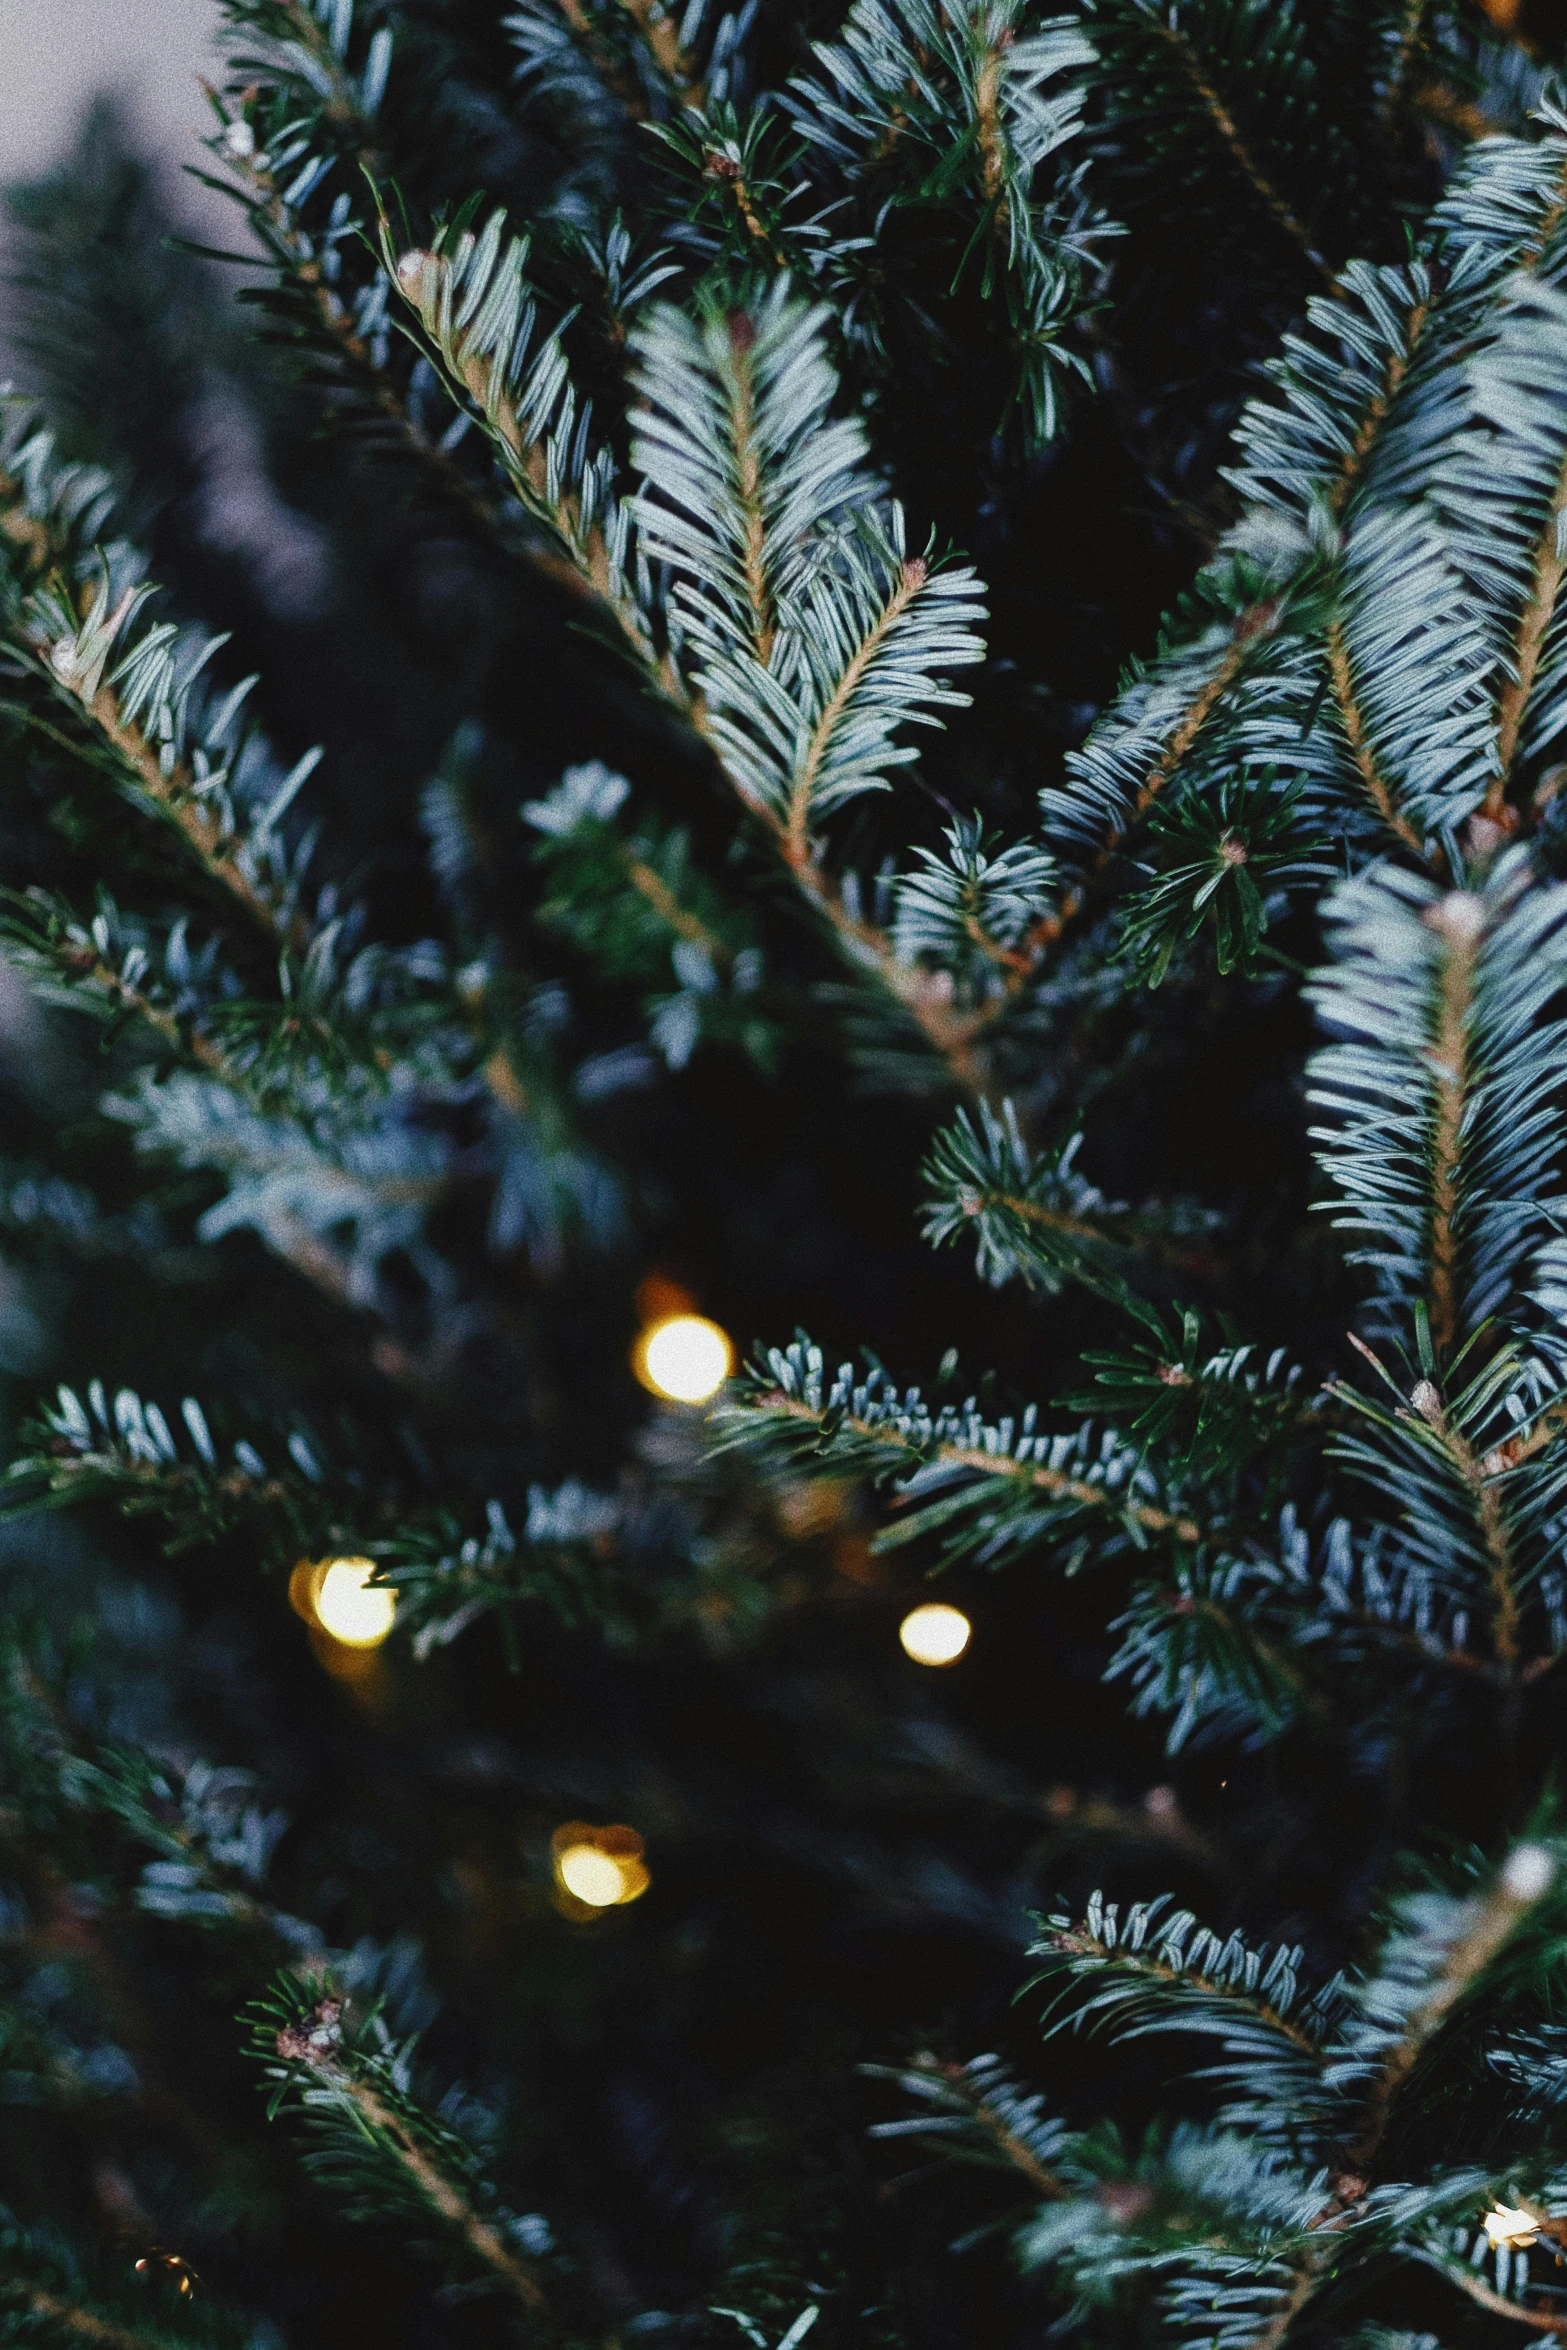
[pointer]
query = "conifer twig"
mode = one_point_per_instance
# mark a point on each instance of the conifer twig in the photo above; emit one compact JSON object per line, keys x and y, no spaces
{"x":352,"y":2097}
{"x":1376,"y":414}
{"x":1457,"y":920}
{"x":1378,"y":790}
{"x":1497,"y":1915}
{"x":1548,"y":570}
{"x":1234,"y":144}
{"x":1037,"y":1474}
{"x":1484,"y":1492}
{"x":1254,"y":622}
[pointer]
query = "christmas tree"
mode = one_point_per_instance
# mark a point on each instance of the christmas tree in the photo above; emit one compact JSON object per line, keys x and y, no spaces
{"x":896,"y":675}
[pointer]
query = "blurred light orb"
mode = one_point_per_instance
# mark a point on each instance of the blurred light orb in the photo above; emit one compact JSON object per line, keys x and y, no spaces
{"x":349,"y":1607}
{"x":935,"y":1634}
{"x":595,"y":1877}
{"x":1515,"y":2228}
{"x":598,"y":1868}
{"x":685,"y":1358}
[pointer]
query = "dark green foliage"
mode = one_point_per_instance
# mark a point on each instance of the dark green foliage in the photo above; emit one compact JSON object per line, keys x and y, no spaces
{"x":684,"y":782}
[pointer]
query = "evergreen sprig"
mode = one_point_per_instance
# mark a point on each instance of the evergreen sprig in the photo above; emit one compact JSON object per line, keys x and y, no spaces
{"x":1290,"y":2197}
{"x":348,"y":2084}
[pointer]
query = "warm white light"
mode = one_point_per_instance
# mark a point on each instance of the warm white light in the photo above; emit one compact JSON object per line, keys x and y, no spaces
{"x":1516,"y":2229}
{"x":595,"y":1877}
{"x":685,"y":1357}
{"x":597,"y":1868}
{"x":935,"y":1634}
{"x":350,"y":1607}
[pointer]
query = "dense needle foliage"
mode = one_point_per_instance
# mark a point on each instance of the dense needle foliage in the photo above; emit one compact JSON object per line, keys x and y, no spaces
{"x":774,"y":660}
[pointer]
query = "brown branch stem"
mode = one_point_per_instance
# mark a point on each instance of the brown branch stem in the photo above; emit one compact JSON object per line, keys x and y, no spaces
{"x":1378,"y":790}
{"x":1448,"y":1060}
{"x":1548,"y":570}
{"x":441,"y":2193}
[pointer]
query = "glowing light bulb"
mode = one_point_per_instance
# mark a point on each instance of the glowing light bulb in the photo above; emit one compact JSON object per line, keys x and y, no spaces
{"x":594,"y":1877}
{"x":685,"y":1358}
{"x":935,"y":1634}
{"x":1516,"y":2229}
{"x":349,"y":1607}
{"x":598,"y":1868}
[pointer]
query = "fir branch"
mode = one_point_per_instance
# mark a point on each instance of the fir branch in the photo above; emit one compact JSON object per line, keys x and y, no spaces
{"x":991,"y":1490}
{"x":801,"y":634}
{"x":1211,"y":1646}
{"x":977,"y":2110}
{"x":1437,"y":1951}
{"x":152,"y":724}
{"x":563,"y":1559}
{"x":1179,"y":42}
{"x":212,"y":1841}
{"x":1378,"y":790}
{"x":1034,"y":1217}
{"x":637,"y":51}
{"x":1158,"y":1970}
{"x":968,"y":113}
{"x":1540,"y":2321}
{"x":104,"y":968}
{"x":123,"y":1447}
{"x":1473,"y":1525}
{"x":1441,"y":997}
{"x":476,"y":314}
{"x":813,"y":636}
{"x":1132,"y":757}
{"x":374,"y":2143}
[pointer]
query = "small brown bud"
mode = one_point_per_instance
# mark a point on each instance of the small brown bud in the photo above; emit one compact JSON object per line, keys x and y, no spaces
{"x":1427,"y":1401}
{"x":315,"y":2037}
{"x":410,"y":272}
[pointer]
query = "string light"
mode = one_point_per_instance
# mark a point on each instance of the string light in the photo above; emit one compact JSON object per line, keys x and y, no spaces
{"x":597,"y":1868}
{"x":337,"y":1597}
{"x":592,"y":1876}
{"x":935,"y":1634}
{"x":1504,"y":2224}
{"x":683,"y":1357}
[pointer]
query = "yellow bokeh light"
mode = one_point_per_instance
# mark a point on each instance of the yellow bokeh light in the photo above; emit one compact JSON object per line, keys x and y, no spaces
{"x":349,"y":1607}
{"x":684,"y":1358}
{"x":597,"y":1868}
{"x":595,"y":1877}
{"x":1516,"y":2229}
{"x":935,"y":1634}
